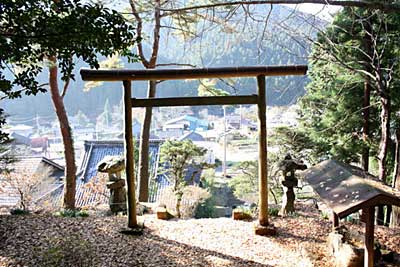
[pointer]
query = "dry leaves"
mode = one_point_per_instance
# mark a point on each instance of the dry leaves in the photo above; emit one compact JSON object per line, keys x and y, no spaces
{"x":45,"y":240}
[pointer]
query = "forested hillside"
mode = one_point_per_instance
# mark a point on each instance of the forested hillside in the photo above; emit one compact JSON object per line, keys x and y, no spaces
{"x":240,"y":45}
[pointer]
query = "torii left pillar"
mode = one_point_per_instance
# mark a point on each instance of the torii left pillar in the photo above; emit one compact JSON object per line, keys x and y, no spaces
{"x":129,"y":160}
{"x":264,"y":228}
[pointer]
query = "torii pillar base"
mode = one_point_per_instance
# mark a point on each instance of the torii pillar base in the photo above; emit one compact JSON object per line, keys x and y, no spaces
{"x":269,"y":230}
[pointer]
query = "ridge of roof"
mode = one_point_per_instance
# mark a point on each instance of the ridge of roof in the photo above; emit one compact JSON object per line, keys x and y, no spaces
{"x":54,"y":164}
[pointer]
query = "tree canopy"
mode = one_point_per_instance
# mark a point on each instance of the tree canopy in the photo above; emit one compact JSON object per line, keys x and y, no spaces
{"x":360,"y":47}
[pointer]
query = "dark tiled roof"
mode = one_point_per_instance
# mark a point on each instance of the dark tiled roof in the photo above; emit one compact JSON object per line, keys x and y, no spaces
{"x":191,"y":136}
{"x":94,"y":152}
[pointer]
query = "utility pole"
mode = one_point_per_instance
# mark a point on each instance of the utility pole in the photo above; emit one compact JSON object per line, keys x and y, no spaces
{"x":224,"y":163}
{"x":37,"y":124}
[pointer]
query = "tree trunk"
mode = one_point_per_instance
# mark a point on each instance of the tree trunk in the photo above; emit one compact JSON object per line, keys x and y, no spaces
{"x":385,"y":137}
{"x":368,"y":48}
{"x":70,"y":168}
{"x":365,"y":134}
{"x":144,"y":147}
{"x":395,"y":220}
{"x":383,"y":147}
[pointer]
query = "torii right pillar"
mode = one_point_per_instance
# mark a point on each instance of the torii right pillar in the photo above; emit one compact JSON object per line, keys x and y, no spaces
{"x":264,"y":228}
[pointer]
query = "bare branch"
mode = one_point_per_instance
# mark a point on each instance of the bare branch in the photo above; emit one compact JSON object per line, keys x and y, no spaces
{"x":156,"y":34}
{"x":387,"y":7}
{"x":66,"y":84}
{"x":139,"y":36}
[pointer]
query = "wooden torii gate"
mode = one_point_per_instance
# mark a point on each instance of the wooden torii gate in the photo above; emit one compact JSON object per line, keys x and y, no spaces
{"x":260,"y":72}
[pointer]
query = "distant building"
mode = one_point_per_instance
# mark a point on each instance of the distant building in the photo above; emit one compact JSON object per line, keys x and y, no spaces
{"x":194,"y":136}
{"x":248,"y":127}
{"x":187,"y":122}
{"x":40,"y":145}
{"x":233,"y":121}
{"x":22,"y":129}
{"x":18,"y":139}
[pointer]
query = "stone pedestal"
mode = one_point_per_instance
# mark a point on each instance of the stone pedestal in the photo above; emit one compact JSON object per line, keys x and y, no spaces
{"x":269,"y":230}
{"x":117,"y":199}
{"x":113,"y":166}
{"x":288,"y":197}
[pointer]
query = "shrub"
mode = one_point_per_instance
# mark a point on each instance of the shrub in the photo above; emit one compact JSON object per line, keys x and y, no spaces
{"x":193,"y":196}
{"x":205,"y":209}
{"x":324,"y":215}
{"x":19,"y":212}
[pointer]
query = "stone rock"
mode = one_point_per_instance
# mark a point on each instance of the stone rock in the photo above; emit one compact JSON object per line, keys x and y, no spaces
{"x":163,"y":214}
{"x":344,"y":253}
{"x":240,"y":215}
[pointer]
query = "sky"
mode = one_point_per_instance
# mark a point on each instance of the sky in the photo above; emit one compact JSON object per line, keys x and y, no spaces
{"x":322,"y":11}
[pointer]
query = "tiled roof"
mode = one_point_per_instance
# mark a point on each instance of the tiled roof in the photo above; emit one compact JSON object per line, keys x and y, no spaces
{"x":94,"y":152}
{"x":191,"y":136}
{"x":33,"y":165}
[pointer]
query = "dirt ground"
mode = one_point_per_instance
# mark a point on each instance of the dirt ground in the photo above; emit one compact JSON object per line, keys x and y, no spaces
{"x":47,"y":240}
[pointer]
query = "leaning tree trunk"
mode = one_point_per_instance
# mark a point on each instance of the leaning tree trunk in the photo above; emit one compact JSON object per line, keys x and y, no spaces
{"x":148,"y":64}
{"x":144,"y":147}
{"x":70,"y":168}
{"x":383,"y":147}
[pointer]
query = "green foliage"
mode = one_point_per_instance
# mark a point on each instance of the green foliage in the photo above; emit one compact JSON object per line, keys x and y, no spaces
{"x":214,"y":47}
{"x":207,"y":88}
{"x":205,"y":209}
{"x":324,"y":215}
{"x":6,"y":158}
{"x":245,"y":184}
{"x":177,"y":156}
{"x":273,"y":211}
{"x":208,"y":181}
{"x":19,"y":212}
{"x":290,"y":140}
{"x":72,"y":213}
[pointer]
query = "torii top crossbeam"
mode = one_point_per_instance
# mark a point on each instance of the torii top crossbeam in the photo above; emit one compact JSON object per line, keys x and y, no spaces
{"x":200,"y":73}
